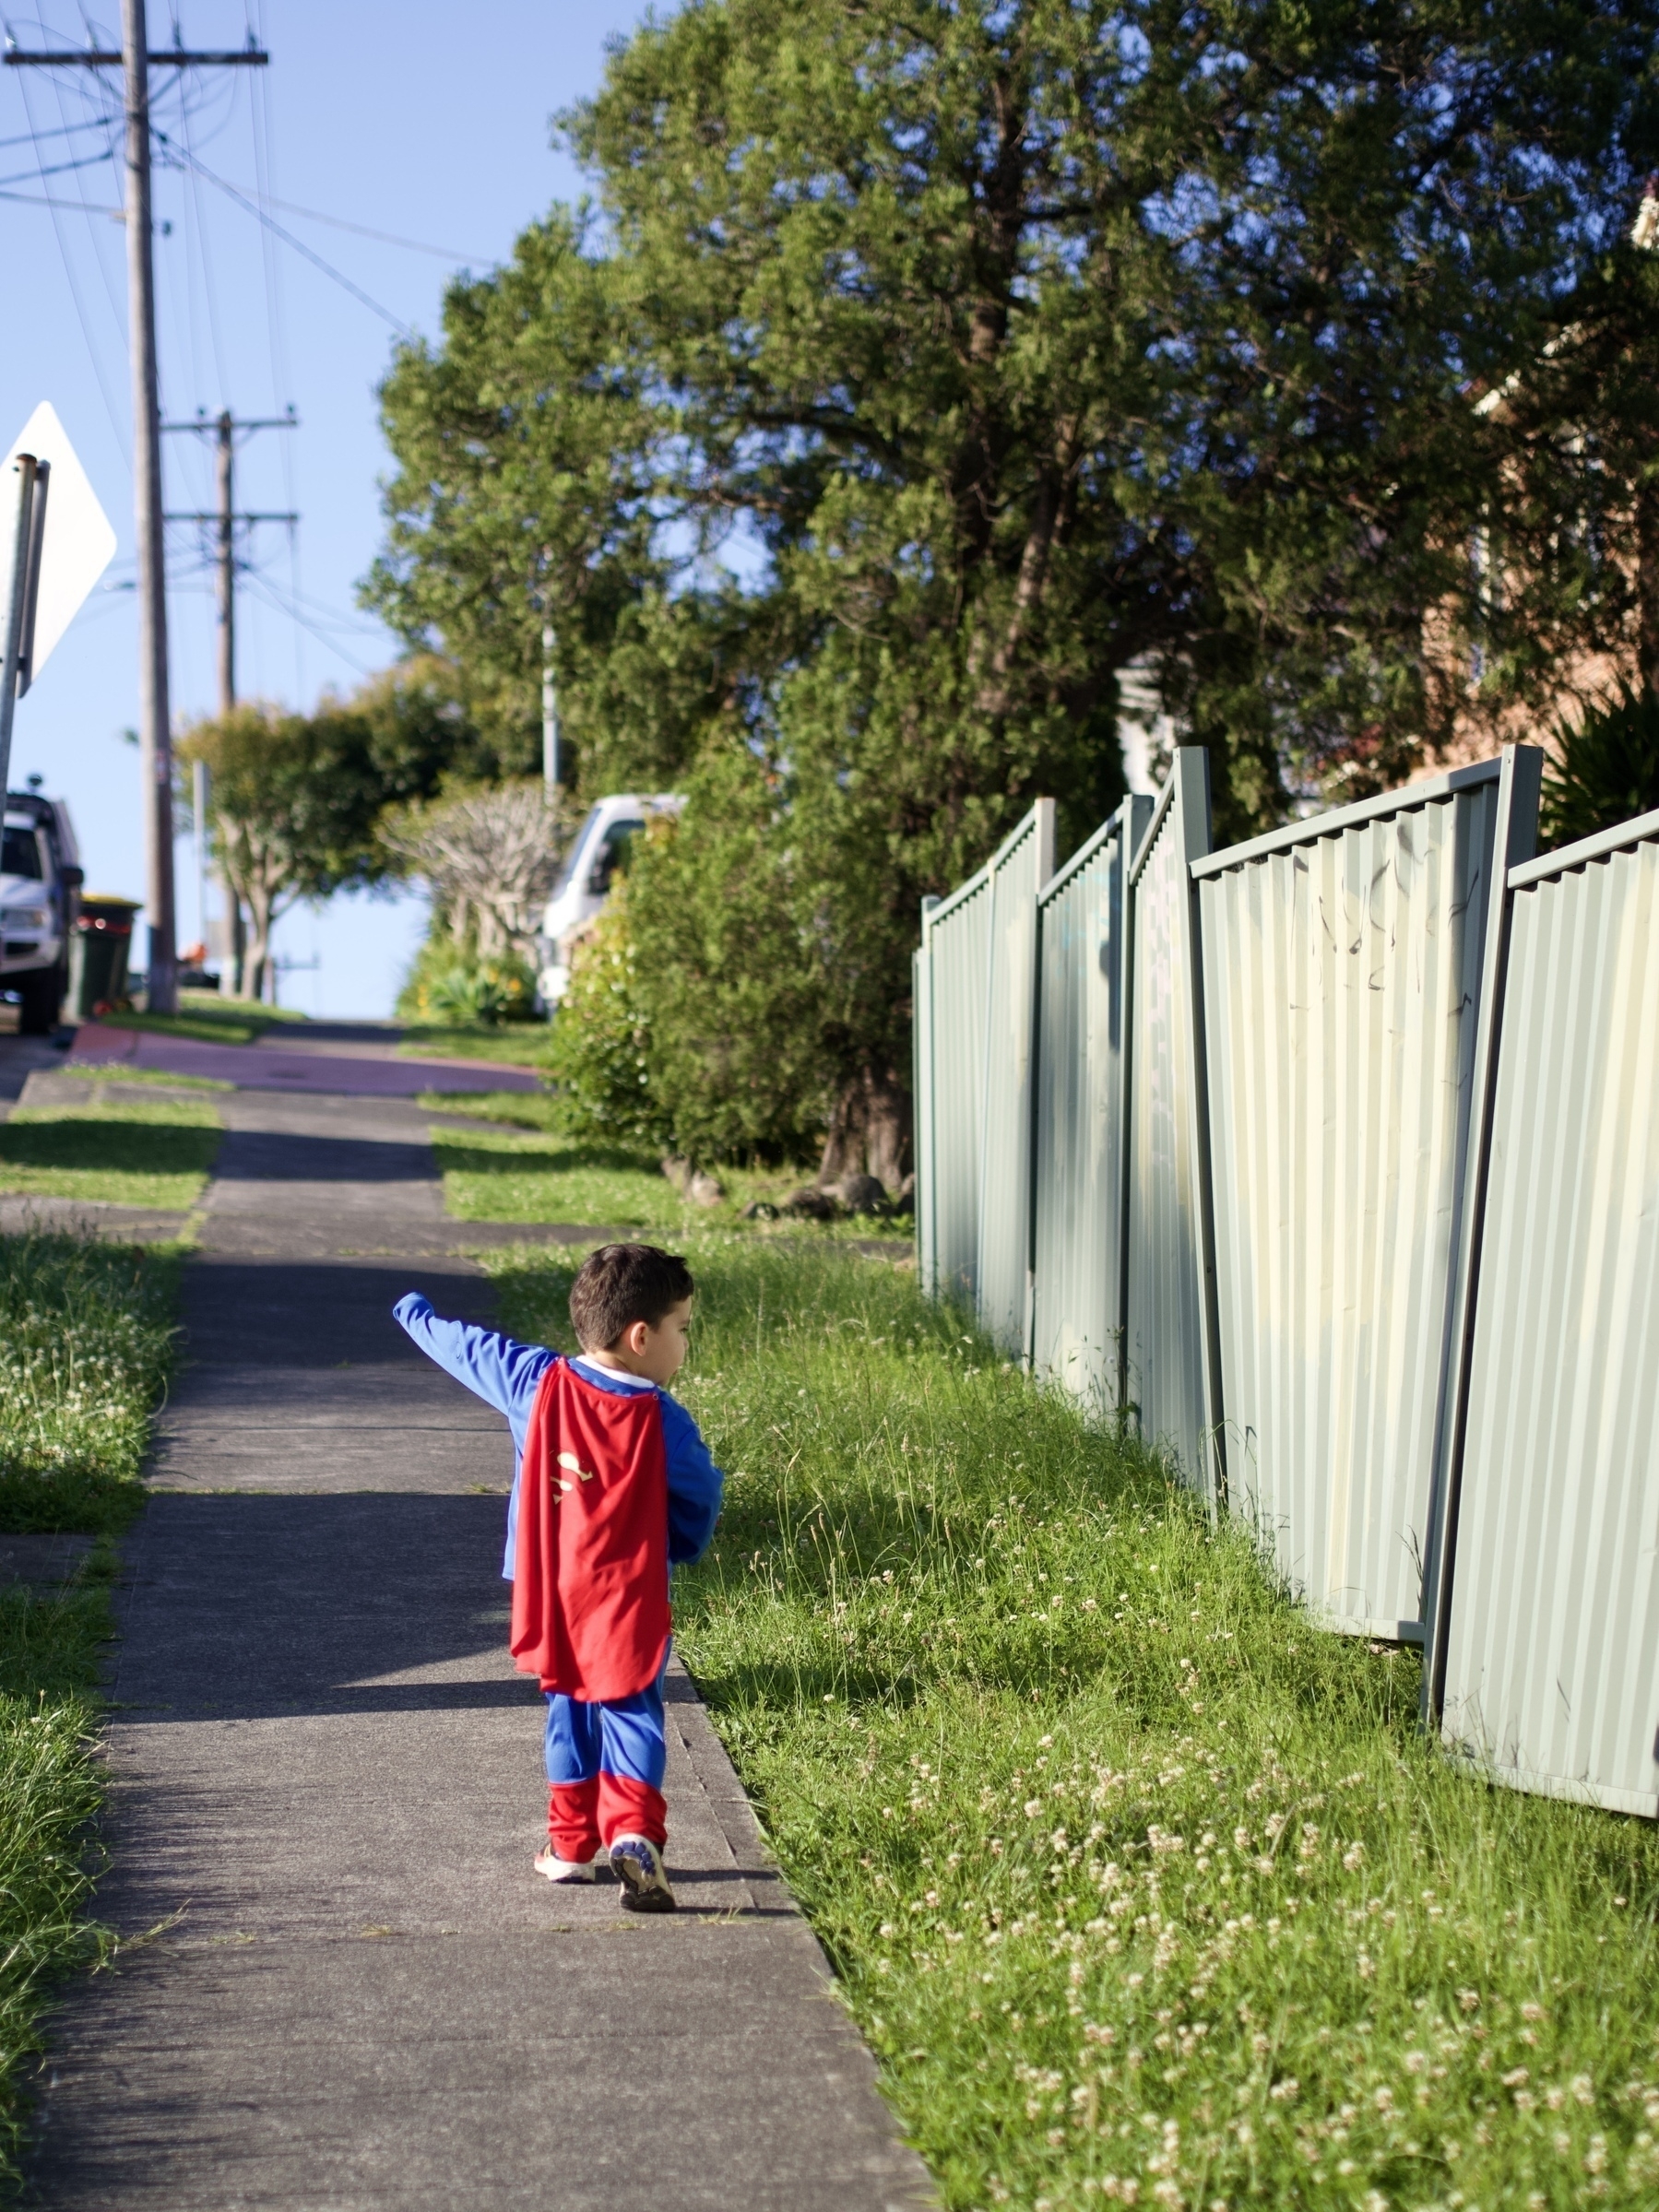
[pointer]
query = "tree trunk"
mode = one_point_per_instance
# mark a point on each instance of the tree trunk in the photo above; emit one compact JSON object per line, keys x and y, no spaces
{"x":868,"y":1132}
{"x":236,"y":934}
{"x":258,"y":962}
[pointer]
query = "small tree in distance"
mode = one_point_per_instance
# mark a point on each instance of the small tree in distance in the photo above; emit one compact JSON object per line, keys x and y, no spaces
{"x":490,"y":855}
{"x":294,"y":807}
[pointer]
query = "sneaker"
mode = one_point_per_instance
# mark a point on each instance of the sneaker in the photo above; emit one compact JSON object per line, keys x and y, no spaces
{"x":556,"y":1869}
{"x":638,"y":1865}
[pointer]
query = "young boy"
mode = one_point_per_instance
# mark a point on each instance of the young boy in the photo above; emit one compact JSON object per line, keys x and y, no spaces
{"x":611,"y":1483}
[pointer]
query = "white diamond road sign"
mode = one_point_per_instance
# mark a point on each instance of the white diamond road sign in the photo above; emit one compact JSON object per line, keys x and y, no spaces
{"x":79,"y":539}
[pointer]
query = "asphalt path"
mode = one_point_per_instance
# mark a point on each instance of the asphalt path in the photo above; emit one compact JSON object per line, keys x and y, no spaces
{"x":340,"y":1984}
{"x":360,"y":1058}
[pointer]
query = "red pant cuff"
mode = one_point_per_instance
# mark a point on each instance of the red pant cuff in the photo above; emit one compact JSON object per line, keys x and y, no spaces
{"x":631,"y":1808}
{"x":573,"y":1825}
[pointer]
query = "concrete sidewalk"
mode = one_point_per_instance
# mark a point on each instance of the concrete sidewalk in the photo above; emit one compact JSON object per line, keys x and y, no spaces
{"x":326,"y":1792}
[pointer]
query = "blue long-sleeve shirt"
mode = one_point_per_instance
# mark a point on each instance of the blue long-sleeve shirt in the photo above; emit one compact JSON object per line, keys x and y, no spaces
{"x":507,"y":1374}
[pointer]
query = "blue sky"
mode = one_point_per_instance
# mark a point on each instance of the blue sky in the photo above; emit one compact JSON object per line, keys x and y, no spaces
{"x":427,"y":124}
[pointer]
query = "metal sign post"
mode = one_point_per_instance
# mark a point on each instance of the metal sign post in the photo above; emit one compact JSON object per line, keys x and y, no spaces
{"x":22,"y":591}
{"x":47,"y":575}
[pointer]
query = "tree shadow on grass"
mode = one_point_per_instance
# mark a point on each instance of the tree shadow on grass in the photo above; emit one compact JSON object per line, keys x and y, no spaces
{"x":108,"y":1145}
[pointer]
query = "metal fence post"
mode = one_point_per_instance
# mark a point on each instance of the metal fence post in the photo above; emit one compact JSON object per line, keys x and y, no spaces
{"x":1520,"y":780}
{"x":1169,"y":1317}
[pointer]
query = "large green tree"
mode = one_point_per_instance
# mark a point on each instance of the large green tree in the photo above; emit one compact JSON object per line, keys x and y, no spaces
{"x":927,"y":362}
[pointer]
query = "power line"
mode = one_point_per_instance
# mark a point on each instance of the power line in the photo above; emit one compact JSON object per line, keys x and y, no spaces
{"x":80,"y":310}
{"x":59,"y":168}
{"x":331,"y":618}
{"x":102,"y":266}
{"x":273,"y":598}
{"x":385,"y":238}
{"x":259,"y":122}
{"x":289,"y":239}
{"x":202,"y":257}
{"x":34,"y":199}
{"x":67,"y":130}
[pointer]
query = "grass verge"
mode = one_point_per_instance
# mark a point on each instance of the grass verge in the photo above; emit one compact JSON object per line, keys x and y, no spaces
{"x":86,"y":1339}
{"x":127,"y":1153}
{"x":543,"y":1175}
{"x":514,"y":1044}
{"x":122,"y":1071}
{"x":1143,"y":1890}
{"x":208,"y":1018}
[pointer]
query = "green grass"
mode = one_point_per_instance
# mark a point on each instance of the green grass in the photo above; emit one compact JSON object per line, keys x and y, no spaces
{"x":544,"y":1175}
{"x":1141,"y":1889}
{"x":86,"y":1344}
{"x":516,"y":1044}
{"x":208,"y":1018}
{"x":126,"y":1153}
{"x":51,"y":1786}
{"x":118,"y":1072}
{"x":537,"y":1110}
{"x":490,"y":1177}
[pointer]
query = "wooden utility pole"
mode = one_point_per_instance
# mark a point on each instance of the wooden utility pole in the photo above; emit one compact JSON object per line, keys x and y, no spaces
{"x":155,"y":724}
{"x":225,"y":478}
{"x":224,"y":518}
{"x":155,"y":729}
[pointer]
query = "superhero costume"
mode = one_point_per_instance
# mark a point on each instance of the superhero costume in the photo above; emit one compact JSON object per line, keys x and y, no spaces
{"x":592,"y":1621}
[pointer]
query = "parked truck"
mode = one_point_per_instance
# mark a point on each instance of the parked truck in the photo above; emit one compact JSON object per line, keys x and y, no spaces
{"x":41,"y":878}
{"x":599,"y":848}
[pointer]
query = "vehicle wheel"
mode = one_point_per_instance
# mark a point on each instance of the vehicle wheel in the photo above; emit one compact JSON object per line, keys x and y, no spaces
{"x":42,"y":992}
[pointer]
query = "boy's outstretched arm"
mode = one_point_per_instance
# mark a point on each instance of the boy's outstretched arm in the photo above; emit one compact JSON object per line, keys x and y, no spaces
{"x":696,"y":1485}
{"x":494,"y":1367}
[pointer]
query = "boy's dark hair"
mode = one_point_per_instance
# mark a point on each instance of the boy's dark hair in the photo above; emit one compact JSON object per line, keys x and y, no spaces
{"x":621,"y":1283}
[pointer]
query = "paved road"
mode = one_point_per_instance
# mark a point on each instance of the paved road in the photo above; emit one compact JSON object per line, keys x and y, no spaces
{"x":356,"y":1058}
{"x":326,"y":1792}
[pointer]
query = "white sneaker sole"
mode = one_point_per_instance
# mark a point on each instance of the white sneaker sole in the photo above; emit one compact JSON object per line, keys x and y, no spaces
{"x":562,"y":1870}
{"x":645,"y":1886}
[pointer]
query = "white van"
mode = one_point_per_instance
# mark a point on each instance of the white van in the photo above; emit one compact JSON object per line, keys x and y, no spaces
{"x":39,"y":893}
{"x":600,"y":846}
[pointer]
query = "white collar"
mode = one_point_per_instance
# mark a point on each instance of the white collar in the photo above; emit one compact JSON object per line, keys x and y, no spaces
{"x":609,"y":1379}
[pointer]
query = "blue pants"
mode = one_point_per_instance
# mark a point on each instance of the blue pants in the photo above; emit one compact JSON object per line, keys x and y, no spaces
{"x":605,"y":1765}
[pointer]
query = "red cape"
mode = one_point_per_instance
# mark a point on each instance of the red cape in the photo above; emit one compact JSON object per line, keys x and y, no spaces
{"x":591,"y":1591}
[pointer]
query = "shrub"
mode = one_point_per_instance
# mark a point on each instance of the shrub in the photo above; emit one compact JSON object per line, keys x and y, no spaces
{"x":602,"y":1032}
{"x":450,"y":984}
{"x":1606,"y":768}
{"x":696,"y":1010}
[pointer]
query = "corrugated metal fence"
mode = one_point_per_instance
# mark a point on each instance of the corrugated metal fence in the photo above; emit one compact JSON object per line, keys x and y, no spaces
{"x":1545,"y":1663}
{"x":1079,"y":1182}
{"x":976,"y":984}
{"x":1341,"y":973}
{"x":1170,"y":1372}
{"x":1334,"y":1158}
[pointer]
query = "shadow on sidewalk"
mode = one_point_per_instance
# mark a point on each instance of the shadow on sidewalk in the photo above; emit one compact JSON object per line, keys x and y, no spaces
{"x":239,"y":1606}
{"x":301,"y":1156}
